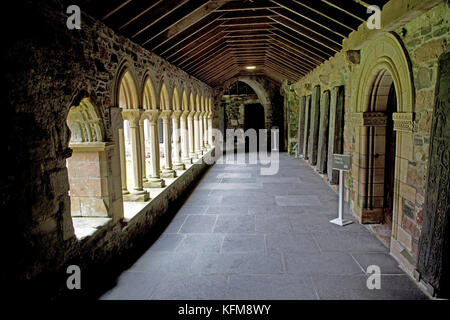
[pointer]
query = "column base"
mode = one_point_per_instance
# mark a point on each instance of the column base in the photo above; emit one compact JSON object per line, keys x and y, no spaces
{"x":168,"y":173}
{"x":138,"y":196}
{"x":155,"y":183}
{"x":193,"y":156}
{"x":199,"y":154}
{"x":125,"y":192}
{"x":187,"y":160}
{"x":179,"y":166}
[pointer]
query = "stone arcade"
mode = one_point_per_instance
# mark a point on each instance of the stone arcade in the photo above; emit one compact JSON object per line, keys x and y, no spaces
{"x":107,"y":128}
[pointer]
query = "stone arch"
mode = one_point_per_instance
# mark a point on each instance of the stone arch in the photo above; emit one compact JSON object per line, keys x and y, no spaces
{"x":385,"y":72}
{"x":164,"y":97}
{"x":176,"y":102}
{"x":184,"y":101}
{"x":387,"y":52}
{"x":126,"y":84}
{"x":149,"y":98}
{"x":85,"y":123}
{"x":191,"y":102}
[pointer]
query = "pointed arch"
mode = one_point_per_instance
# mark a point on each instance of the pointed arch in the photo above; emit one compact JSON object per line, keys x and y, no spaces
{"x":176,"y":100}
{"x":184,"y":102}
{"x":164,"y":97}
{"x":128,"y":97}
{"x":191,"y":102}
{"x":149,"y":96}
{"x":84,"y":123}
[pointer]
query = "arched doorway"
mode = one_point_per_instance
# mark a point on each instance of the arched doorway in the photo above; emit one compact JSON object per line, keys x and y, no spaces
{"x":380,"y":153}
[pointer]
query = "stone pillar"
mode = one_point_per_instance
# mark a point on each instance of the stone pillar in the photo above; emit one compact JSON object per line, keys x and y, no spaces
{"x":314,"y":131}
{"x":301,"y":124}
{"x":142,"y":139}
{"x":185,"y":138}
{"x":138,"y":194}
{"x":336,"y":132}
{"x":205,"y":130}
{"x":307,"y":127}
{"x":198,"y":148}
{"x":167,"y":172}
{"x":191,"y":133}
{"x":201,"y":132}
{"x":123,"y":162}
{"x":177,"y":164}
{"x":210,"y":127}
{"x":154,"y":180}
{"x":322,"y":153}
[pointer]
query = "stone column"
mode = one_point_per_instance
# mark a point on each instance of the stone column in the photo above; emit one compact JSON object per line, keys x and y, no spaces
{"x":185,"y":138}
{"x":177,"y":164}
{"x":167,"y":172}
{"x":154,"y":180}
{"x":123,"y":162}
{"x":336,"y":132}
{"x":314,"y":132}
{"x":201,"y":132}
{"x":142,"y":139}
{"x":210,"y":127}
{"x":322,"y":153}
{"x":191,"y":133}
{"x":138,"y":194}
{"x":307,"y":127}
{"x":205,"y":130}
{"x":198,"y":150}
{"x":301,"y":124}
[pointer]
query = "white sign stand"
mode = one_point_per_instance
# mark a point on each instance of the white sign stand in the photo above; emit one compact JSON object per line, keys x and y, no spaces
{"x":340,"y":220}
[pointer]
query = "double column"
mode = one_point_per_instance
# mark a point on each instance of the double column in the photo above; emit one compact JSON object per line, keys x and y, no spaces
{"x":210,"y":125}
{"x":168,"y":171}
{"x":177,"y":162}
{"x":154,"y":180}
{"x":185,"y":138}
{"x":138,"y":193}
{"x":205,"y":130}
{"x":193,"y":134}
{"x":198,"y":124}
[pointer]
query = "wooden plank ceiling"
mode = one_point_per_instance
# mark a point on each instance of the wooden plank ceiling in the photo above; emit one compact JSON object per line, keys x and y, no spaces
{"x":215,"y":40}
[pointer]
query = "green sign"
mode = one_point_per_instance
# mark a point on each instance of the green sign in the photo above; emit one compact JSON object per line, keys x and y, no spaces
{"x":342,"y":162}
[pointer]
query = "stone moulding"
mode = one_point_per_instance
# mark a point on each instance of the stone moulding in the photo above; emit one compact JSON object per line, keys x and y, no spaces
{"x":369,"y":119}
{"x":403,"y":121}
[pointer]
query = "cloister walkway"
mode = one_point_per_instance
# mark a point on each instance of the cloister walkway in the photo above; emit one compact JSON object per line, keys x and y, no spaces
{"x":241,"y":235}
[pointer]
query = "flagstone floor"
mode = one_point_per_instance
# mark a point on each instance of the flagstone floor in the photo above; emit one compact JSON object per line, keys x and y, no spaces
{"x":241,"y":235}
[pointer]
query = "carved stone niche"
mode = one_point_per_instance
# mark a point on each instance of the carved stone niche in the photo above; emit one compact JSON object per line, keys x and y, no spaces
{"x":403,"y":121}
{"x":369,"y":119}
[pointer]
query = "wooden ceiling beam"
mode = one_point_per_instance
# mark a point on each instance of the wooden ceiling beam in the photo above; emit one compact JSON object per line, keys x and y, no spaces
{"x":287,"y":62}
{"x":332,"y":45}
{"x":173,"y":47}
{"x":147,"y":18}
{"x":307,"y":24}
{"x":286,"y":75}
{"x":205,"y":56}
{"x":304,"y":48}
{"x":170,"y":20}
{"x":298,"y":51}
{"x":196,"y":47}
{"x":283,"y":69}
{"x":330,"y":12}
{"x":305,"y":42}
{"x":308,"y":63}
{"x":313,"y":17}
{"x":290,"y":68}
{"x":246,"y":6}
{"x":247,"y":14}
{"x":352,"y":8}
{"x":187,"y":21}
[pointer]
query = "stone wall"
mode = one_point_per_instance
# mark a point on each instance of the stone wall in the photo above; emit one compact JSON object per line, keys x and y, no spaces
{"x":423,"y":39}
{"x":49,"y":69}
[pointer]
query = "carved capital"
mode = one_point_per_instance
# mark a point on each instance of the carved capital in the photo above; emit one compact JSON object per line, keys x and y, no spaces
{"x":403,"y":121}
{"x":176,"y":114}
{"x":151,"y":115}
{"x":165,"y":115}
{"x":133,"y":116}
